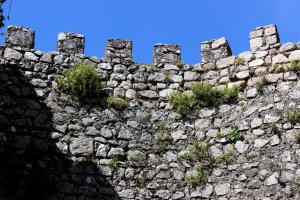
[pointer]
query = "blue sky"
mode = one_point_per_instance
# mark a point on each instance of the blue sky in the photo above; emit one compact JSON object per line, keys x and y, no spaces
{"x":147,"y":22}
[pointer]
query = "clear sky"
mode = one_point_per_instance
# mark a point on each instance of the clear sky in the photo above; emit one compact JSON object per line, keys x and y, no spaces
{"x":146,"y":22}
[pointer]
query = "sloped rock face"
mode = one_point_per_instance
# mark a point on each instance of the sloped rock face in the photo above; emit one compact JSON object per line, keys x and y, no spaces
{"x":54,"y":148}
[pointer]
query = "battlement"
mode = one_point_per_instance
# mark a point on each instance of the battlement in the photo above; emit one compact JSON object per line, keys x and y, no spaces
{"x":118,"y":50}
{"x":215,"y":49}
{"x":166,"y":73}
{"x":264,"y":38}
{"x":71,"y":43}
{"x":18,"y":36}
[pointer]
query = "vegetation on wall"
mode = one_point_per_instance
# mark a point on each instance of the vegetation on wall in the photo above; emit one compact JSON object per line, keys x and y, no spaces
{"x":240,"y":61}
{"x":199,"y":154}
{"x":203,"y":95}
{"x":207,"y":95}
{"x":234,"y":135}
{"x":162,"y":137}
{"x":260,"y":84}
{"x":293,"y":65}
{"x":168,"y":76}
{"x":227,"y":156}
{"x":151,"y":69}
{"x":183,"y":102}
{"x":82,"y":82}
{"x":117,"y":103}
{"x":114,"y":161}
{"x":293,"y":116}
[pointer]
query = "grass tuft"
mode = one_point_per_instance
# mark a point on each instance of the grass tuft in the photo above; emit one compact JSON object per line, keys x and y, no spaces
{"x":234,"y":135}
{"x":293,"y":116}
{"x":240,"y":61}
{"x":117,"y":103}
{"x":183,"y":102}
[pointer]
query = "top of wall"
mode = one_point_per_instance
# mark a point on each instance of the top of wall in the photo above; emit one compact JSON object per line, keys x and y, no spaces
{"x":261,"y":38}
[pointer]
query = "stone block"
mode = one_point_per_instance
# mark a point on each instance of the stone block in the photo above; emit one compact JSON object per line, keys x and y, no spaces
{"x":256,"y":33}
{"x":81,"y":146}
{"x":295,"y":55}
{"x":270,"y":30}
{"x":225,"y":62}
{"x":119,"y":51}
{"x":215,"y":49}
{"x":263,"y":38}
{"x":18,"y":36}
{"x":256,"y":43}
{"x":218,"y":43}
{"x":13,"y":54}
{"x":273,"y":39}
{"x":70,"y":43}
{"x":166,"y":53}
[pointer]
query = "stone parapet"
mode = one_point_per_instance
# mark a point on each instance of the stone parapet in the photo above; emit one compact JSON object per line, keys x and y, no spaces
{"x":264,"y":38}
{"x":70,"y":43}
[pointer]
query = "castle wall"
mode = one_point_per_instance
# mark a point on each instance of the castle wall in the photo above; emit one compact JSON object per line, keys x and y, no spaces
{"x":85,"y":140}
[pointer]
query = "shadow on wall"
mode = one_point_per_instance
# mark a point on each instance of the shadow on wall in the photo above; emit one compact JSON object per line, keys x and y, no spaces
{"x":31,"y":165}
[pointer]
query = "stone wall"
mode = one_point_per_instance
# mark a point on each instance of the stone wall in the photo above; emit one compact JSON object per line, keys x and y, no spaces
{"x":102,"y":153}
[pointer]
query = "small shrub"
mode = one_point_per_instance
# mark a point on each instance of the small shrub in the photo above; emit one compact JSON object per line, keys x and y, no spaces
{"x":206,"y":94}
{"x":114,"y":162}
{"x":136,"y":156}
{"x":230,"y":95}
{"x":294,"y":65}
{"x":183,"y":155}
{"x":162,"y":134}
{"x":117,"y":103}
{"x":183,"y":102}
{"x":227,"y":157}
{"x":82,"y":82}
{"x":162,"y":137}
{"x":240,"y":61}
{"x":196,"y":176}
{"x":277,"y":68}
{"x":293,"y":116}
{"x":234,"y":135}
{"x":203,"y":95}
{"x":297,"y":184}
{"x":151,"y":69}
{"x":199,"y":150}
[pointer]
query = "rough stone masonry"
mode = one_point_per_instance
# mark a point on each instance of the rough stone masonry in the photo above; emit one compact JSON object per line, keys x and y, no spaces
{"x":56,"y":149}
